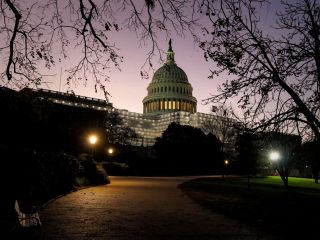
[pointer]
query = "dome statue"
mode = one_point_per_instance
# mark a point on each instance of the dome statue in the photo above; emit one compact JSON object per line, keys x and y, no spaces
{"x":169,"y":89}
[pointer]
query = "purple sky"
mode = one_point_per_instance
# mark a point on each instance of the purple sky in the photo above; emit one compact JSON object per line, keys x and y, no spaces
{"x":127,"y":88}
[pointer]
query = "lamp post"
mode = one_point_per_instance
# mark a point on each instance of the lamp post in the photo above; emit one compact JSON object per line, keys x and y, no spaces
{"x":93,"y":139}
{"x":110,"y":152}
{"x":225,"y":165}
{"x":274,"y":156}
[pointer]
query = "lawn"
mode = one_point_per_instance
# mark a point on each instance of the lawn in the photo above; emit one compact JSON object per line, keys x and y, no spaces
{"x":288,"y":214}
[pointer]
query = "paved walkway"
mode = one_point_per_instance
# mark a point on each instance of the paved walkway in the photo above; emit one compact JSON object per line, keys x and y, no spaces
{"x":133,"y":208}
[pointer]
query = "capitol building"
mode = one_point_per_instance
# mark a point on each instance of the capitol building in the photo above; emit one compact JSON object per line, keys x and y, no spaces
{"x":169,"y":99}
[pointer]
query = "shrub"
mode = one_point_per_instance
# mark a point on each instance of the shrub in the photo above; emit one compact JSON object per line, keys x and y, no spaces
{"x":57,"y":174}
{"x":91,"y":171}
{"x":116,"y":168}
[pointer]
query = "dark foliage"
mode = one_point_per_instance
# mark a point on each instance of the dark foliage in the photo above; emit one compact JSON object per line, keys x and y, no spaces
{"x":89,"y":171}
{"x":131,"y":160}
{"x":42,"y":125}
{"x":310,"y":157}
{"x":248,"y":153}
{"x":116,"y":130}
{"x":38,"y":142}
{"x":33,"y":178}
{"x":187,"y":150}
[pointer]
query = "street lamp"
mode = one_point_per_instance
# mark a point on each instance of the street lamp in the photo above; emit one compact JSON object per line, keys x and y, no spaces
{"x":225,"y":164}
{"x":274,"y":156}
{"x":110,"y":152}
{"x":93,"y":139}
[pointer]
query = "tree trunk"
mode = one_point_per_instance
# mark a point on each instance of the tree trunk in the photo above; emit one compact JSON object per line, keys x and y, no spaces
{"x":285,"y":179}
{"x":286,"y":184}
{"x":315,"y":173}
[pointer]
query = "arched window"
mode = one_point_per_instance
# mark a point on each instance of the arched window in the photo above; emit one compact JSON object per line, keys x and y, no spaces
{"x":165,"y":89}
{"x":169,"y":89}
{"x":161,"y":89}
{"x":158,"y":89}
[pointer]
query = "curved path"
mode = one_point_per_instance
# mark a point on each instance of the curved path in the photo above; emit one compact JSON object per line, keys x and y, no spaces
{"x":132,"y":208}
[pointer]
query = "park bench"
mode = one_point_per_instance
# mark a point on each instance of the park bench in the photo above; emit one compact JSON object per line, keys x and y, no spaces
{"x":31,"y":219}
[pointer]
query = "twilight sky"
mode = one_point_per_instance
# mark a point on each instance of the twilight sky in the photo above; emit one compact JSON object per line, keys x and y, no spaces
{"x":128,"y":89}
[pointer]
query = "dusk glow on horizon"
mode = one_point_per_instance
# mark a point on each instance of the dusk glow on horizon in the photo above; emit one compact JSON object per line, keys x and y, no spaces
{"x":127,"y":88}
{"x":125,"y":85}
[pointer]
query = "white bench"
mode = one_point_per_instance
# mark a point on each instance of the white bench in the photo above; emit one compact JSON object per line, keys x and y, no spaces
{"x":27,"y":219}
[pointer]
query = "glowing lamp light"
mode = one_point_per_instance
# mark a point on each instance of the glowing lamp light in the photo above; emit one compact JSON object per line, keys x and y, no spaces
{"x":274,"y":156}
{"x":226,"y":162}
{"x":110,"y":150}
{"x":93,"y":139}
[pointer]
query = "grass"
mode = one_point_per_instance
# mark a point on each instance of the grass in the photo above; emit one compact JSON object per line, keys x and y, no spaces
{"x":289,"y":214}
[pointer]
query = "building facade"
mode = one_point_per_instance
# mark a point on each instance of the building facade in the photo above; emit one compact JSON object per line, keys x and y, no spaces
{"x":169,"y":90}
{"x":169,"y":99}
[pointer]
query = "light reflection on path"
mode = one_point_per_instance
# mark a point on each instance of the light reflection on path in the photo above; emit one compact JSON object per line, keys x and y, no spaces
{"x":132,"y":208}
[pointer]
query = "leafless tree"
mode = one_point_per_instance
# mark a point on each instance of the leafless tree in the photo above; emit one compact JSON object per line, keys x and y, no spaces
{"x":35,"y":35}
{"x":222,"y":125}
{"x":275,"y":78}
{"x":117,"y":131}
{"x":287,"y":145}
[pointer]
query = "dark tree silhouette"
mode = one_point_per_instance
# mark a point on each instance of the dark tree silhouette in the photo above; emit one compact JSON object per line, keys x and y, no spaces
{"x":41,"y":33}
{"x":117,"y":131}
{"x":311,"y":157}
{"x":288,"y":146}
{"x":222,"y":126}
{"x":248,"y":147}
{"x":275,"y":77}
{"x":187,"y":150}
